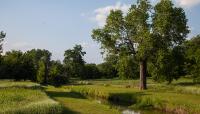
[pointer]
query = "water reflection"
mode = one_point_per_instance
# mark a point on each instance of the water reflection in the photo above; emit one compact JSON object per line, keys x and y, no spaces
{"x":128,"y":111}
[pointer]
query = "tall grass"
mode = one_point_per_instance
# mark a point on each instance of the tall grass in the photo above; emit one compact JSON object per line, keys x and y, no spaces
{"x":158,"y":96}
{"x":26,"y":98}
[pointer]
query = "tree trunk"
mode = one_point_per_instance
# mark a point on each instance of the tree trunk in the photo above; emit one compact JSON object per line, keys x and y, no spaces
{"x":143,"y":71}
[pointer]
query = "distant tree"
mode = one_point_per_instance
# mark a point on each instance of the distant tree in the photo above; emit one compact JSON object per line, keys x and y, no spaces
{"x":35,"y":56}
{"x":108,"y":68}
{"x":91,"y":72}
{"x":46,"y":59}
{"x":39,"y":57}
{"x":27,"y":67}
{"x":193,"y":58}
{"x":41,"y":72}
{"x":16,"y":65}
{"x":143,"y":31}
{"x":12,"y":64}
{"x":74,"y":62}
{"x":57,"y":74}
{"x":2,"y":36}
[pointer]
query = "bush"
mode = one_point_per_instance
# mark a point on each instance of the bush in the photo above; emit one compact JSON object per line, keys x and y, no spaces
{"x":91,"y":72}
{"x":59,"y":80}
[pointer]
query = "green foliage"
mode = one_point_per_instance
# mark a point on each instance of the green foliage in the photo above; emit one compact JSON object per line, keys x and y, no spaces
{"x":91,"y":72}
{"x":36,"y":56}
{"x":193,"y":58}
{"x":16,"y":65}
{"x":41,"y":72}
{"x":2,"y":36}
{"x":74,"y":62}
{"x":127,"y":67}
{"x":169,"y":24}
{"x":143,"y":33}
{"x":57,"y":74}
{"x":34,"y":65}
{"x":168,"y":65}
{"x":108,"y":68}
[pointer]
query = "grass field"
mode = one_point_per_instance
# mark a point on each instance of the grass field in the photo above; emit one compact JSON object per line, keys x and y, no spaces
{"x":26,"y":98}
{"x":81,"y":97}
{"x":76,"y":103}
{"x":179,"y":97}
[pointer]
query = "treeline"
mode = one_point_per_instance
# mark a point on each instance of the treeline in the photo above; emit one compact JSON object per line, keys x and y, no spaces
{"x":36,"y":65}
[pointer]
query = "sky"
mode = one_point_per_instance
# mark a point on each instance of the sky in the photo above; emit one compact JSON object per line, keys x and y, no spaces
{"x":57,"y":25}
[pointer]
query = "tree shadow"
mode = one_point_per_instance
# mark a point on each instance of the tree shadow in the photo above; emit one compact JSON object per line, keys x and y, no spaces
{"x":125,"y":99}
{"x":54,"y":94}
{"x":187,"y":84}
{"x":68,"y":111}
{"x":23,"y":86}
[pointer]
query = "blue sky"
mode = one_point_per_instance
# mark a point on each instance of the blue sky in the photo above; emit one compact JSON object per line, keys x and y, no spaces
{"x":58,"y":25}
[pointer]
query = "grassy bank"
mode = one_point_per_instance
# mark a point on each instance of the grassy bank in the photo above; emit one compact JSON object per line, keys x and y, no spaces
{"x":26,"y":98}
{"x":75,"y":103}
{"x":181,"y":97}
{"x":178,"y":97}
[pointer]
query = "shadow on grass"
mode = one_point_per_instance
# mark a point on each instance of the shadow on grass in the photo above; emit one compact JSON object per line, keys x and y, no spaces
{"x":56,"y":94}
{"x":125,"y":99}
{"x":68,"y":111}
{"x":187,"y":84}
{"x":24,"y":87}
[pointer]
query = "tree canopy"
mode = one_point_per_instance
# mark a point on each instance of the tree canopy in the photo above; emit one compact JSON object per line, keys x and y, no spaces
{"x":143,"y":31}
{"x":74,"y":62}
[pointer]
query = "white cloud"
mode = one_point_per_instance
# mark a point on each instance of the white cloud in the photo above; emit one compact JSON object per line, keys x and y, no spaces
{"x":188,"y":3}
{"x":24,"y":46}
{"x":102,"y":13}
{"x":183,"y":3}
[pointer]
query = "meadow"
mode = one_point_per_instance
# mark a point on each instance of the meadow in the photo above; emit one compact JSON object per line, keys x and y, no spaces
{"x":26,"y":98}
{"x":103,"y":96}
{"x":181,"y":96}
